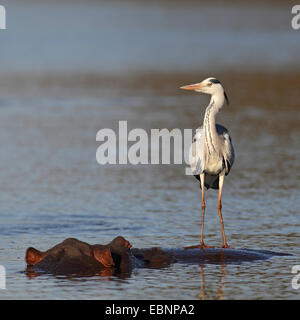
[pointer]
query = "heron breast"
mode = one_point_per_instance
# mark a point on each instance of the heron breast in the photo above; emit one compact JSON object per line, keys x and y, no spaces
{"x":213,"y":165}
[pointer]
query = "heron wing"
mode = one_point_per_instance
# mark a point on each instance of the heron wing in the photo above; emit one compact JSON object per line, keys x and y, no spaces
{"x":196,"y":153}
{"x":228,"y":151}
{"x":196,"y":159}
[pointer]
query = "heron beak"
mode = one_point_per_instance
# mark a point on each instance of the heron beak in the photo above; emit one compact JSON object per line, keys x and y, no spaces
{"x":196,"y":86}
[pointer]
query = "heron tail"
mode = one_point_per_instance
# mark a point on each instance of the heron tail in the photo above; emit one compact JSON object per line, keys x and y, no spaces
{"x":210,"y":181}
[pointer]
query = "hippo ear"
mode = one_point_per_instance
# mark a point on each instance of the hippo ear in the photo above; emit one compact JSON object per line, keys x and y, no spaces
{"x":103,"y":255}
{"x":33,"y":256}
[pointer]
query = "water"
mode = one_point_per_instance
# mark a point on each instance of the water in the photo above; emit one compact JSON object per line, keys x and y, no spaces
{"x":126,"y":36}
{"x":60,"y":85}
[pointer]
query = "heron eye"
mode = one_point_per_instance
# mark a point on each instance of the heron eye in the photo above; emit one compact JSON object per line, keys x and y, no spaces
{"x":209,"y":84}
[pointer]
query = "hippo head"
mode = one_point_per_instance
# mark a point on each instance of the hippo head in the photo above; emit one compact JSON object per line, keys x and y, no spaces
{"x":73,"y":256}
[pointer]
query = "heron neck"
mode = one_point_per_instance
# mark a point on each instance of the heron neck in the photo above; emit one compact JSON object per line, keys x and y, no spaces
{"x":209,"y":123}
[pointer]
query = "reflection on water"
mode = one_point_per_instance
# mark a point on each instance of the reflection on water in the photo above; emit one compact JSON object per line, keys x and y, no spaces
{"x":212,"y":290}
{"x":221,"y":283}
{"x":106,"y":272}
{"x":60,"y":85}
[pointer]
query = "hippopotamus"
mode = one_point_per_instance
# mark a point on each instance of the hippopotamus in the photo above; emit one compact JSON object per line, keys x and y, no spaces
{"x":75,"y":257}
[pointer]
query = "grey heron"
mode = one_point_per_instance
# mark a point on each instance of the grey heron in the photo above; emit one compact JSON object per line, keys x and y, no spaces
{"x":211,"y":153}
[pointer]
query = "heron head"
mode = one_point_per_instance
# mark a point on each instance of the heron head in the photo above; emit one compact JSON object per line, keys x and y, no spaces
{"x":210,"y":86}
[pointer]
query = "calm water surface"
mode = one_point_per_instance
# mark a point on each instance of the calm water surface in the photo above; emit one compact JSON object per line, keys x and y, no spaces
{"x":52,"y":187}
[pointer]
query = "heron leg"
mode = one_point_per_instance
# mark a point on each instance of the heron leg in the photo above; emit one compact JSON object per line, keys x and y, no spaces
{"x":201,"y":245}
{"x":221,"y":181}
{"x":202,"y":177}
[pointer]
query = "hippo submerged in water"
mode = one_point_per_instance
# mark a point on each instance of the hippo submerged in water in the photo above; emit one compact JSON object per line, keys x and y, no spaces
{"x":75,"y":257}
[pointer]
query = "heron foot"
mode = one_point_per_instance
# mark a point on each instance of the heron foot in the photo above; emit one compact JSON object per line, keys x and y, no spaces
{"x":201,"y":246}
{"x":226,"y":246}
